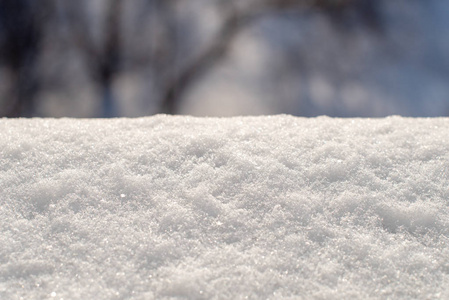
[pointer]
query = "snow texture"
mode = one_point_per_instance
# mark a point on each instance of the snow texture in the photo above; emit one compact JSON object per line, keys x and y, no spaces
{"x":272,"y":207}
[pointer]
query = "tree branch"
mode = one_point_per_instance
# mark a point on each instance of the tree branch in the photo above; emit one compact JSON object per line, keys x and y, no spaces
{"x":203,"y":62}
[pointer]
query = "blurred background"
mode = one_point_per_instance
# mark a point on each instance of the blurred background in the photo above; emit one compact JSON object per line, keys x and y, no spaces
{"x":117,"y":58}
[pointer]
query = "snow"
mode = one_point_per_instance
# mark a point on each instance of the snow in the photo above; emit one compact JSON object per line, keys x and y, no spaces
{"x":273,"y":207}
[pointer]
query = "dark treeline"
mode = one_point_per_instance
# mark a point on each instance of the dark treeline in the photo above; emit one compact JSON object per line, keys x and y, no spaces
{"x":40,"y":40}
{"x":76,"y":53}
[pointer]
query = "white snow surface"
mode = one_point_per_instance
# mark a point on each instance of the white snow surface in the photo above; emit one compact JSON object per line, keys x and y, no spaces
{"x":273,"y":207}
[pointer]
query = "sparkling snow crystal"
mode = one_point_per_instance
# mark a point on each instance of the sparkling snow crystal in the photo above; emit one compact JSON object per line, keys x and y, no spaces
{"x":255,"y":207}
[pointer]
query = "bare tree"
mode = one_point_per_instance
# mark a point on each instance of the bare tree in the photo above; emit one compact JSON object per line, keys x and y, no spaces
{"x":236,"y":19}
{"x":233,"y":23}
{"x":102,"y":56}
{"x":21,"y":30}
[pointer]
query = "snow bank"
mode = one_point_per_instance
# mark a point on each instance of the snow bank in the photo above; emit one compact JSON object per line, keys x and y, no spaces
{"x":256,"y":207}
